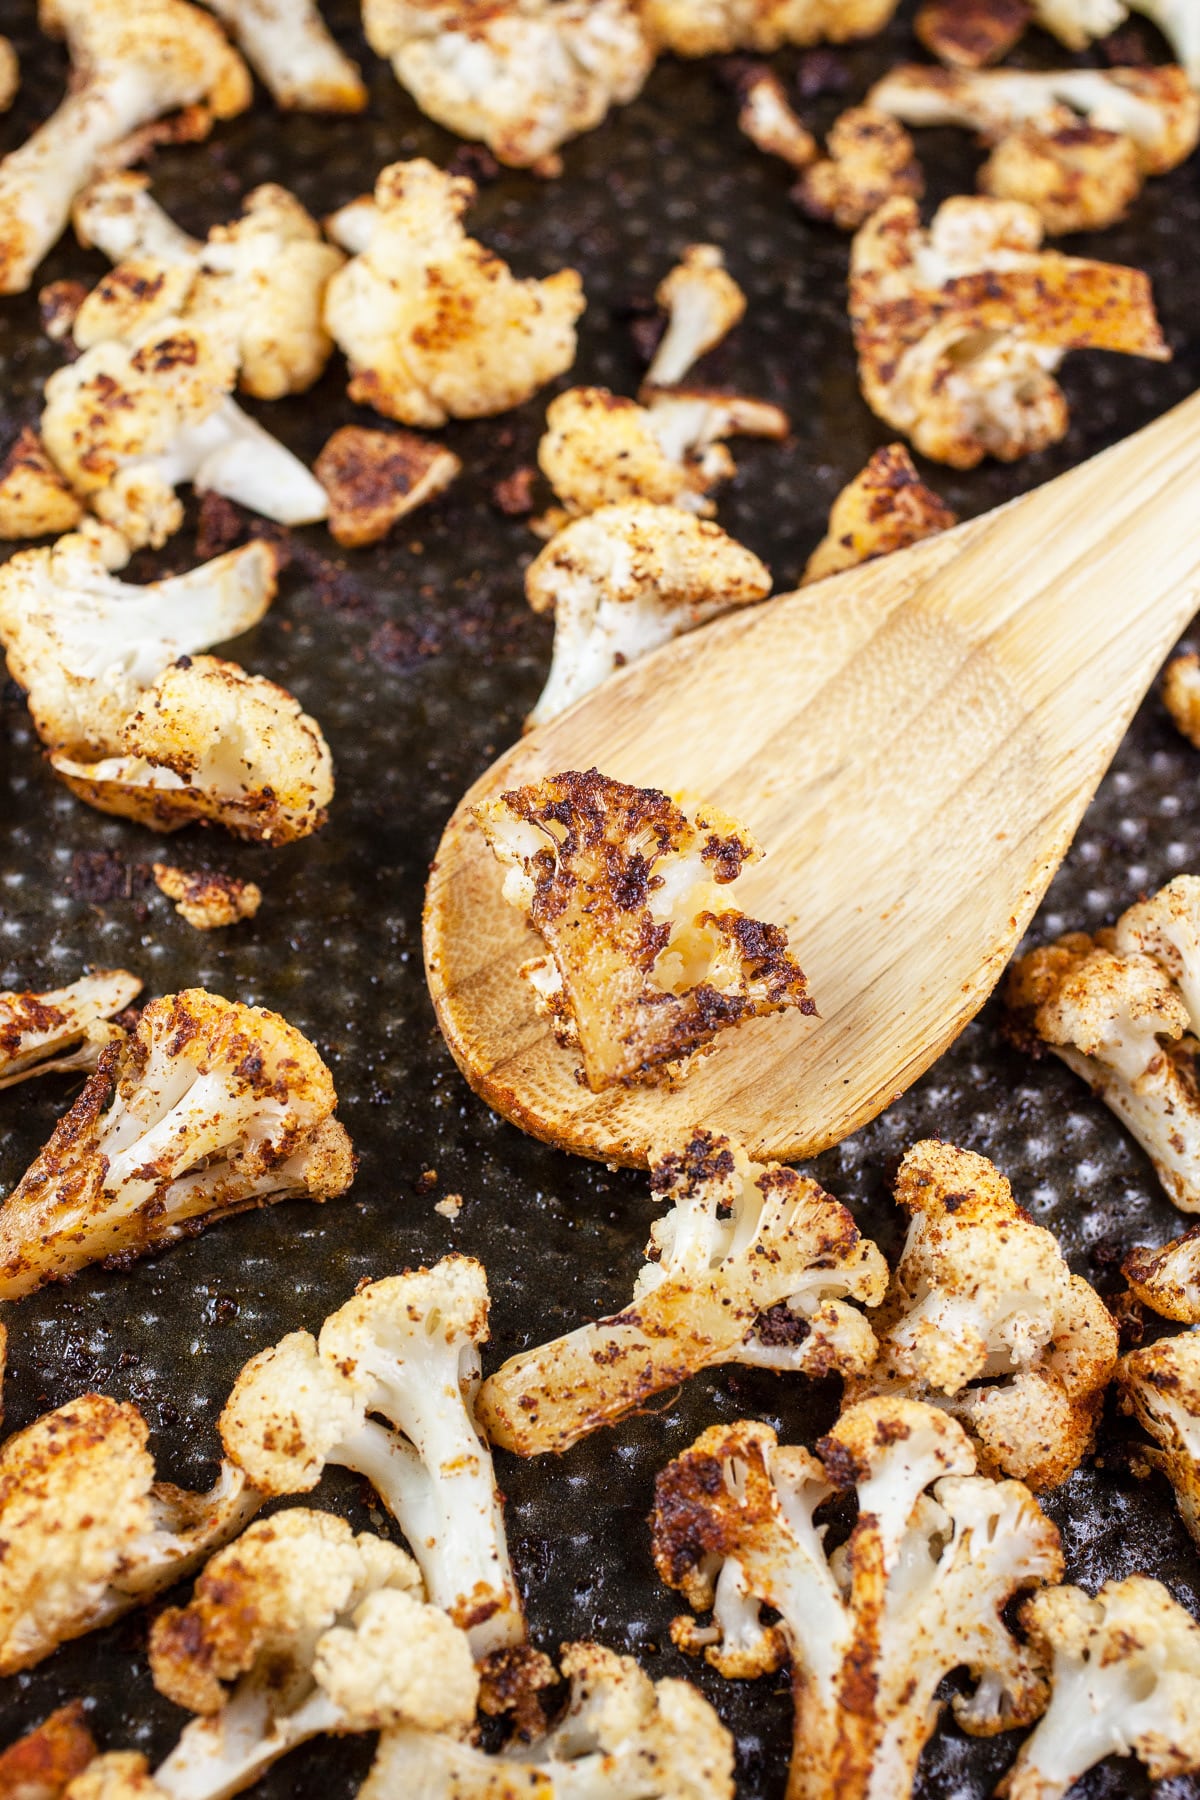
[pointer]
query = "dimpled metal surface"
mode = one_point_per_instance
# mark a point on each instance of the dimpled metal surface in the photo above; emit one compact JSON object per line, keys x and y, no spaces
{"x":420,"y":658}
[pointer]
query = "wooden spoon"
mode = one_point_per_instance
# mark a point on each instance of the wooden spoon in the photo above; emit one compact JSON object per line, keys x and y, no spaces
{"x":913,"y":743}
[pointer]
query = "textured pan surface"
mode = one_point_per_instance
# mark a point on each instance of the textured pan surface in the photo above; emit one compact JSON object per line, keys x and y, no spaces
{"x":420,"y":661}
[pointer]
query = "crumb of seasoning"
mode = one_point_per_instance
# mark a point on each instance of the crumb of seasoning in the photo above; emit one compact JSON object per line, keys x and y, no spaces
{"x":514,"y":495}
{"x":450,"y":1206}
{"x":426,"y":1181}
{"x":205,"y":899}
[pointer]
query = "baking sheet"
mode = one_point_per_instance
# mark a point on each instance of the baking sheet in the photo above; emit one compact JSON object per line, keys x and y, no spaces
{"x":420,"y":659}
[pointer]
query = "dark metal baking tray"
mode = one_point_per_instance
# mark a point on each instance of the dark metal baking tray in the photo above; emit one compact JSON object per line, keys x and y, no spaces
{"x":420,"y":658}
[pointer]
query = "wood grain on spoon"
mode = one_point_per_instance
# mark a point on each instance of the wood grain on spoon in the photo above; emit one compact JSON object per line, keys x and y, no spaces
{"x":913,"y":743}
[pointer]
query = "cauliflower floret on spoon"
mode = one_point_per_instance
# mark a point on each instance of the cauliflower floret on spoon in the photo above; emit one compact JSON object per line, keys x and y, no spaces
{"x":718,"y":27}
{"x":60,"y":1032}
{"x":130,"y":66}
{"x":623,"y":580}
{"x":207,"y":1108}
{"x":523,"y":76}
{"x":434,"y":325}
{"x":289,"y":46}
{"x":646,"y":964}
{"x":959,"y":328}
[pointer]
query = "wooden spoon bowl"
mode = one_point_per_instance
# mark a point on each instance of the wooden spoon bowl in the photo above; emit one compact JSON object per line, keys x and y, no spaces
{"x":913,"y":742}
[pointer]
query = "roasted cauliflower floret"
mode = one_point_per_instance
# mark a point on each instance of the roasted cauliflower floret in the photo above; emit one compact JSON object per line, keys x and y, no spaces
{"x":435,"y":326}
{"x":886,"y":507}
{"x":1160,"y":1386}
{"x":1168,"y":1279}
{"x":258,"y":283}
{"x":753,"y":1264}
{"x":522,"y":75}
{"x":299,"y":1628}
{"x":289,"y":46}
{"x":1121,"y":1017}
{"x":601,"y":448}
{"x":868,"y":159}
{"x":967,"y":34}
{"x":88,"y":1532}
{"x":40,"y":1764}
{"x":703,"y":303}
{"x":405,"y":1349}
{"x":1181,"y":695}
{"x":207,"y":1108}
{"x":10,"y":80}
{"x":626,"y":579}
{"x":766,"y":116}
{"x":86,"y":647}
{"x":375,"y":478}
{"x":919,"y":1590}
{"x":210,"y":742}
{"x":958,"y":328}
{"x":131,"y":420}
{"x":119,"y":1775}
{"x":205,"y":900}
{"x":35,"y":501}
{"x":717,"y":27}
{"x":620,"y":1734}
{"x":646,"y":964}
{"x":1076,"y":179}
{"x":1126,"y":1677}
{"x":130,"y":66}
{"x":62,"y":1031}
{"x":118,"y":215}
{"x":984,"y":1318}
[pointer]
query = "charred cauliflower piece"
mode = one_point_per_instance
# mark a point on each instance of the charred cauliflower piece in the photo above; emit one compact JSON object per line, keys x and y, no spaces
{"x":1074,"y":143}
{"x":918,"y":1591}
{"x":207,"y":901}
{"x":958,"y":328}
{"x":600,"y":449}
{"x":405,"y":1349}
{"x":769,"y":120}
{"x":886,"y":507}
{"x":1160,"y":1386}
{"x":435,"y":326}
{"x":62,"y":1031}
{"x":1126,"y":1675}
{"x":129,"y":66}
{"x":753,"y":1264}
{"x":40,"y":1764}
{"x":289,"y":46}
{"x":718,"y":27}
{"x":131,"y":420}
{"x":86,"y":647}
{"x":620,"y":1734}
{"x":301,"y":1628}
{"x":1168,"y":1279}
{"x":646,"y":965}
{"x":868,"y":159}
{"x":35,"y":501}
{"x":375,"y":478}
{"x":207,"y":1108}
{"x":1119,"y":1015}
{"x":209,"y":742}
{"x":521,"y":75}
{"x":88,"y":1532}
{"x":626,"y":579}
{"x":257,"y":284}
{"x":984,"y":1318}
{"x":703,"y":303}
{"x":967,"y":34}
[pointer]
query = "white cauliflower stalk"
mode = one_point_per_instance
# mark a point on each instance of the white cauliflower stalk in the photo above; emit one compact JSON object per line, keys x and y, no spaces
{"x":646,"y":964}
{"x":88,"y":1532}
{"x":132,"y":420}
{"x":919,"y":1590}
{"x":434,"y":325}
{"x":207,"y":1108}
{"x":619,"y":1735}
{"x":703,"y":303}
{"x":290,"y":48}
{"x":718,"y":27}
{"x":753,"y":1264}
{"x":1168,"y":1279}
{"x":522,"y":75}
{"x":1126,"y":1675}
{"x":86,"y":646}
{"x":62,"y":1031}
{"x":600,"y":449}
{"x":625,"y":579}
{"x":1160,"y":1386}
{"x":407,"y":1350}
{"x":958,"y":328}
{"x":258,"y":283}
{"x":886,"y":507}
{"x":984,"y":1318}
{"x":209,"y":742}
{"x":130,"y":66}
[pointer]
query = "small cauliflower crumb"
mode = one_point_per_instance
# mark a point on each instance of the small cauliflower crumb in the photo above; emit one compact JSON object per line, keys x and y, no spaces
{"x":374,"y":478}
{"x":718,"y":27}
{"x":206,"y":899}
{"x":886,"y":507}
{"x":968,"y":34}
{"x":869,"y":158}
{"x":450,"y":1206}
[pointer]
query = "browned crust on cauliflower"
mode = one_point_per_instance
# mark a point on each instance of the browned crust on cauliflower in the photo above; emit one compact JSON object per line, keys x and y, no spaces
{"x":968,"y":34}
{"x":40,"y":1764}
{"x":374,"y":478}
{"x":869,"y":158}
{"x":886,"y":507}
{"x":35,"y":501}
